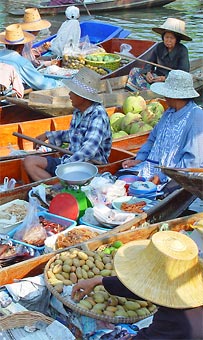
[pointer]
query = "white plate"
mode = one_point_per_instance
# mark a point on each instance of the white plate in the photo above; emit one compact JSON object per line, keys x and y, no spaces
{"x":9,"y":221}
{"x":116,"y":204}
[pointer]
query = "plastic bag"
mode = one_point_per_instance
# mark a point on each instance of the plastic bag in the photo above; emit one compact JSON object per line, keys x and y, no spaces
{"x":125,"y":50}
{"x":68,"y":36}
{"x":31,"y":231}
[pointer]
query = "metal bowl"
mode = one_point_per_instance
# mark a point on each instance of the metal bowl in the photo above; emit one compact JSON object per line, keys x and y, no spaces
{"x":76,"y":173}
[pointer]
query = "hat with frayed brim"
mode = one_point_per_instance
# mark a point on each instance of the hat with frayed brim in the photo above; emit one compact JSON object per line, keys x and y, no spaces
{"x":173,"y":25}
{"x":32,"y":21}
{"x":178,"y":84}
{"x":86,"y":84}
{"x":164,"y":270}
{"x":14,"y":35}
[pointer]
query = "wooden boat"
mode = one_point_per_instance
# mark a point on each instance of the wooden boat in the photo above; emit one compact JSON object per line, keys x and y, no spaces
{"x":35,"y":266}
{"x":189,"y":180}
{"x":13,"y":168}
{"x":98,"y":6}
{"x":34,"y":127}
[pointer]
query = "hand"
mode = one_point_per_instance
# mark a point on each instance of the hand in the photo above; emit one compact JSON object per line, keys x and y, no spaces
{"x":84,"y":287}
{"x":149,"y":77}
{"x":130,"y":162}
{"x":155,"y":179}
{"x":46,"y":45}
{"x":2,"y":88}
{"x":159,"y":79}
{"x":41,"y":137}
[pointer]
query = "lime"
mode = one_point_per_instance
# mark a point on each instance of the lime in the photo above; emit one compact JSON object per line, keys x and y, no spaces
{"x":117,"y":244}
{"x":107,"y":251}
{"x":112,"y":249}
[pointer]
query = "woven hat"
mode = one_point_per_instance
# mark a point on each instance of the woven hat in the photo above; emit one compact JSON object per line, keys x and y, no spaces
{"x":32,"y":21}
{"x":164,"y":270}
{"x":173,"y":25}
{"x":14,"y":35}
{"x":178,"y":84}
{"x":86,"y":84}
{"x":72,"y":12}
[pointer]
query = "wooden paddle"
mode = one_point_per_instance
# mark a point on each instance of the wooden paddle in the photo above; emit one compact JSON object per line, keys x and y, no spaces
{"x":144,"y":61}
{"x":182,"y":169}
{"x":51,"y":146}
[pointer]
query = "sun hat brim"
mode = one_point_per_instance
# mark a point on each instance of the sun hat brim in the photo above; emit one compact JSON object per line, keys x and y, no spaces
{"x":163,"y":89}
{"x":161,"y":31}
{"x":35,"y":26}
{"x":27,"y":38}
{"x":82,"y":92}
{"x":142,"y":274}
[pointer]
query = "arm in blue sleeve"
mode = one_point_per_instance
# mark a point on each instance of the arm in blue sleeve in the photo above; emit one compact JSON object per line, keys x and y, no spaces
{"x":146,"y":148}
{"x":58,"y":137}
{"x":35,"y":79}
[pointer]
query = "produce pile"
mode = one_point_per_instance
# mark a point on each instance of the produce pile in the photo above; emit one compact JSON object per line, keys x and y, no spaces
{"x":137,"y":116}
{"x":77,"y":62}
{"x":72,"y":265}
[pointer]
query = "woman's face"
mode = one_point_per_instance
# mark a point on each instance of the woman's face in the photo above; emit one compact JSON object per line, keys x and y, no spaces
{"x":169,"y":40}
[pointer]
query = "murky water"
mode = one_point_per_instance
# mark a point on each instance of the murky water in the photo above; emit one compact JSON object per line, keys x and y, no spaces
{"x":139,"y":22}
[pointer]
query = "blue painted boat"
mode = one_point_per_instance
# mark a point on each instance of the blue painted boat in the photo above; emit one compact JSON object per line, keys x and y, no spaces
{"x":97,"y":31}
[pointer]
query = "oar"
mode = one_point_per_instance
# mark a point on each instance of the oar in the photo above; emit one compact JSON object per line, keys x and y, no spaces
{"x":84,"y":4}
{"x":51,"y":146}
{"x":143,"y":61}
{"x":182,"y":169}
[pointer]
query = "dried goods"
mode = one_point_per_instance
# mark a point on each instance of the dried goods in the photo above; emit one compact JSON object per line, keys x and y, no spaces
{"x":75,"y":236}
{"x":133,"y":207}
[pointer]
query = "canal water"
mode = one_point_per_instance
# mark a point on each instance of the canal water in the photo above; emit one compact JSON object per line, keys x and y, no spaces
{"x":139,"y":22}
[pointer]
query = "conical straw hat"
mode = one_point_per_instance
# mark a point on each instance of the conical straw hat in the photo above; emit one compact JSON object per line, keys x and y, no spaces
{"x":165,"y":270}
{"x":32,"y":21}
{"x":173,"y":25}
{"x":14,"y":35}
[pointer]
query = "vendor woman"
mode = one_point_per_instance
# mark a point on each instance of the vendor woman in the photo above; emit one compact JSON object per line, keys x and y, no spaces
{"x":166,"y":271}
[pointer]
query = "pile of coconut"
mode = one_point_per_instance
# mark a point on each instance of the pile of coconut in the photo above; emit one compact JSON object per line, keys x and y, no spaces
{"x":137,"y":116}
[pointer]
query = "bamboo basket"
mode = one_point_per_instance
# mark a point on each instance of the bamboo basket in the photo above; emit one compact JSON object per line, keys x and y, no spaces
{"x":21,"y":319}
{"x":82,"y":311}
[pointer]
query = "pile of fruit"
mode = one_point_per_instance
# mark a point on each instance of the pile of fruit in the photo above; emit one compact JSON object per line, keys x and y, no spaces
{"x":136,"y":116}
{"x":72,"y":265}
{"x":77,"y":62}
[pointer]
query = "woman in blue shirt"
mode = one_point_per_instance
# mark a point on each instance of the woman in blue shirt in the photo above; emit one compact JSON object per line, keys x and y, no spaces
{"x":176,"y":141}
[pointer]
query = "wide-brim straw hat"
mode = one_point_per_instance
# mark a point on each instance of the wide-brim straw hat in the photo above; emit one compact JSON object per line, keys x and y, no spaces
{"x":86,"y":84}
{"x":164,"y":270}
{"x":178,"y":84}
{"x":173,"y":25}
{"x":32,"y":21}
{"x":14,"y":35}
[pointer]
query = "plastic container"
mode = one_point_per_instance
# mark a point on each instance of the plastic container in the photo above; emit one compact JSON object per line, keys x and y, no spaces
{"x":50,"y":242}
{"x":49,"y":217}
{"x":131,"y":178}
{"x":7,"y":228}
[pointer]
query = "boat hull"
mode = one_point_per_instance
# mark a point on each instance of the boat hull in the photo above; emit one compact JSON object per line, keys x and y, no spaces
{"x":97,"y":6}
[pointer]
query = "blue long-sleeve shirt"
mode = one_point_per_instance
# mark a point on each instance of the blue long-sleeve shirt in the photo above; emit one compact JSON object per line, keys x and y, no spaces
{"x":28,"y":73}
{"x":176,"y":141}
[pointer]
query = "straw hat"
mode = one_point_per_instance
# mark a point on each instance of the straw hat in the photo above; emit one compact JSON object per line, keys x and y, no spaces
{"x":178,"y":84}
{"x":173,"y":25}
{"x":32,"y":21}
{"x":72,"y":12}
{"x":86,"y":84}
{"x":14,"y":35}
{"x":164,"y":270}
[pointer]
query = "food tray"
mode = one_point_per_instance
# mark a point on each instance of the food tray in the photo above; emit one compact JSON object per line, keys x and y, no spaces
{"x":66,"y":300}
{"x":50,"y":217}
{"x":116,"y":204}
{"x":112,"y":65}
{"x":10,"y":227}
{"x":50,"y":242}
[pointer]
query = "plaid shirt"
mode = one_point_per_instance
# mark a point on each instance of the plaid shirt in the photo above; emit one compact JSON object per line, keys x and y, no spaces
{"x":89,"y":136}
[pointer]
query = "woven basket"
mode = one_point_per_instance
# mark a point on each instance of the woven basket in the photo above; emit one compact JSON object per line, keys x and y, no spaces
{"x":22,"y":319}
{"x":73,"y":306}
{"x":113,"y":65}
